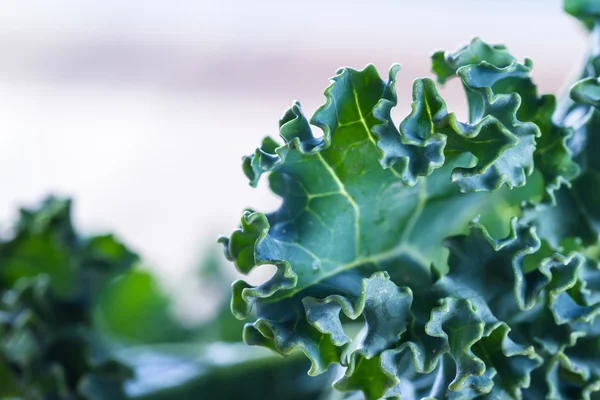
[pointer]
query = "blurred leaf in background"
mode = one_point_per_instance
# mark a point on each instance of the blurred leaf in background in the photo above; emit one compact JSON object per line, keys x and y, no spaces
{"x":215,"y":282}
{"x":50,"y":277}
{"x":220,"y":371}
{"x":134,"y":309}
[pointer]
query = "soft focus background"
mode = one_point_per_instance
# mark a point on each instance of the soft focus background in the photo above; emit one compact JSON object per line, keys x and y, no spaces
{"x":142,"y":110}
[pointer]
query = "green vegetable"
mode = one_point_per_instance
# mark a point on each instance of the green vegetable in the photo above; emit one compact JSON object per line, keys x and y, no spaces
{"x":134,"y":309}
{"x":71,"y":307}
{"x":50,"y":277}
{"x":465,"y":253}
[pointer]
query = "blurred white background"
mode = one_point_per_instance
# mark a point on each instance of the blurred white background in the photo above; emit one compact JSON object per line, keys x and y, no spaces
{"x":142,"y":110}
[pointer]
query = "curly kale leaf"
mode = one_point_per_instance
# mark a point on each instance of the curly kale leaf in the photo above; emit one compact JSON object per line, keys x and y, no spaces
{"x":358,"y":240}
{"x":552,"y":158}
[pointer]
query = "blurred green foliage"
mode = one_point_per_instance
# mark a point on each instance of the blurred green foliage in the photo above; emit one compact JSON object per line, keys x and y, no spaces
{"x":50,"y":279}
{"x":133,"y":308}
{"x":81,"y":319}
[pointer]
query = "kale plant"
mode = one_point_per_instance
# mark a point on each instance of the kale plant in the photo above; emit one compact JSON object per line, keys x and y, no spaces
{"x":50,"y":278}
{"x":437,"y":257}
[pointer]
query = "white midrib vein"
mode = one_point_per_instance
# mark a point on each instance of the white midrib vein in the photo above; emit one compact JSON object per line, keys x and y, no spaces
{"x":364,"y":124}
{"x":340,"y":184}
{"x":411,"y":223}
{"x":348,"y":197}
